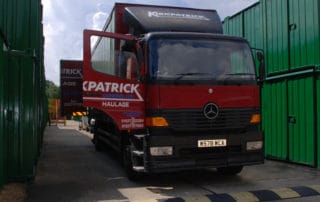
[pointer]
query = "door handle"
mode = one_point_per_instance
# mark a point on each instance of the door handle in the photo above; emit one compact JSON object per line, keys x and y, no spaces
{"x":292,"y":27}
{"x":292,"y":119}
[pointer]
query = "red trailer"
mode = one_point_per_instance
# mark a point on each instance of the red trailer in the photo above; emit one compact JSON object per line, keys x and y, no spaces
{"x":170,"y":92}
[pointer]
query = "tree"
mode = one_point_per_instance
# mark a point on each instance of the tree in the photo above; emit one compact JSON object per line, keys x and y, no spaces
{"x":52,"y":90}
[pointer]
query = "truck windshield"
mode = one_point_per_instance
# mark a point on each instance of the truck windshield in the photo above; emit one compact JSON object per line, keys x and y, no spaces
{"x":197,"y":60}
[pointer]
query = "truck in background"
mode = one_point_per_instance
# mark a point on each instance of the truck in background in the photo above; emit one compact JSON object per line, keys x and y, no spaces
{"x":168,"y":91}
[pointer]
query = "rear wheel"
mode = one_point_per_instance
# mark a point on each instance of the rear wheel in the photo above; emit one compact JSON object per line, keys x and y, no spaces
{"x":232,"y":170}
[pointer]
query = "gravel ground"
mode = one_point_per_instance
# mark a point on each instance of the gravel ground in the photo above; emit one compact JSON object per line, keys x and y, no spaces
{"x":13,"y":192}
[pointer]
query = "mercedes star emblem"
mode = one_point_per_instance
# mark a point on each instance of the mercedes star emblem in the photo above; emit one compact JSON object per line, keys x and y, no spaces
{"x":211,"y":111}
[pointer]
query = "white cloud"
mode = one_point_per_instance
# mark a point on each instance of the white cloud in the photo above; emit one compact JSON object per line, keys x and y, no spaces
{"x":99,"y":20}
{"x":64,"y":22}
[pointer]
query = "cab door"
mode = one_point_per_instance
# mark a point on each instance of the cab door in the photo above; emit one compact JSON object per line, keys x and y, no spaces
{"x":112,"y":77}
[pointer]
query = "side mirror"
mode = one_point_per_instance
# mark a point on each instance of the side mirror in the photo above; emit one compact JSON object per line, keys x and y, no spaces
{"x":262,"y":72}
{"x":260,"y":56}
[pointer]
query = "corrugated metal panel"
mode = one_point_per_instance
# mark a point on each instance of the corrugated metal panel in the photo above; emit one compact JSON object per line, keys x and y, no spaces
{"x":318,"y":119}
{"x":2,"y":73}
{"x":274,"y":121}
{"x":23,"y":116}
{"x":3,"y":69}
{"x":304,"y":33}
{"x":290,"y":39}
{"x":289,"y":115}
{"x":247,"y":24}
{"x":234,"y":25}
{"x":301,"y":117}
{"x":277,"y":39}
{"x":253,"y":29}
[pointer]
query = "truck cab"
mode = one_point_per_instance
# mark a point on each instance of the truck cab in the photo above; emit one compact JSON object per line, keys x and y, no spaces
{"x":170,"y":92}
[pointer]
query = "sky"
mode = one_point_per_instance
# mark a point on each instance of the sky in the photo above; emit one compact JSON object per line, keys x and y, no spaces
{"x":65,"y":20}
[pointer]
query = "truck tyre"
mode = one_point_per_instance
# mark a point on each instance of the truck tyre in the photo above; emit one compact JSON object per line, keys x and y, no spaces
{"x":232,"y":170}
{"x":97,"y":142}
{"x":127,"y":164}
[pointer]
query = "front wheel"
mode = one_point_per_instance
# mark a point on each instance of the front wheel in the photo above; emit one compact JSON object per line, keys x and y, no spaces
{"x":97,"y":142}
{"x":127,"y":164}
{"x":232,"y":170}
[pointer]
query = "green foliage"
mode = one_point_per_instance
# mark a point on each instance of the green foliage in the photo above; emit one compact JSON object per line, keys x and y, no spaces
{"x":52,"y":90}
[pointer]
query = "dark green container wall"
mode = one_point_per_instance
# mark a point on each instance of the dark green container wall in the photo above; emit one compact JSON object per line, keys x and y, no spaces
{"x":2,"y":72}
{"x":274,"y":121}
{"x":304,"y":33}
{"x":3,"y":69}
{"x":276,"y":36}
{"x":25,"y":100}
{"x":247,"y":24}
{"x":253,"y":31}
{"x":289,"y":118}
{"x":288,"y":31}
{"x":318,"y":118}
{"x":234,"y":25}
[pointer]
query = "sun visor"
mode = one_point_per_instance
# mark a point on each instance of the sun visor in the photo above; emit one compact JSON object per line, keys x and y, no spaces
{"x":150,"y":19}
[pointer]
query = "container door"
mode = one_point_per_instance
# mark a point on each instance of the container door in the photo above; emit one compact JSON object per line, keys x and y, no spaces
{"x":274,"y":111}
{"x":112,"y":77}
{"x":301,"y":123}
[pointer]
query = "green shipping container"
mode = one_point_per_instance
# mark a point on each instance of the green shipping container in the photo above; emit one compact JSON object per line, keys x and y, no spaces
{"x":247,"y":24}
{"x":22,"y":84}
{"x":3,"y":65}
{"x":292,"y":34}
{"x":318,"y":116}
{"x":288,"y":31}
{"x":290,"y":117}
{"x":274,"y":120}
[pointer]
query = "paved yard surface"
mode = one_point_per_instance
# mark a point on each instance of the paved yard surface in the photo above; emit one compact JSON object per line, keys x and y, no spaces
{"x":71,"y":170}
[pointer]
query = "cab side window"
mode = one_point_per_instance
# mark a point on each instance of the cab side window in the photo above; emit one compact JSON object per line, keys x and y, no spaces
{"x":107,"y":59}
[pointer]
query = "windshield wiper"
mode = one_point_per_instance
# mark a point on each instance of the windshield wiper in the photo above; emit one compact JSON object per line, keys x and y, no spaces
{"x":240,"y":74}
{"x":189,"y":74}
{"x":229,"y":77}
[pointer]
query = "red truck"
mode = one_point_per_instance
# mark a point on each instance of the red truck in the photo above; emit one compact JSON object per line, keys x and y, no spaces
{"x":170,"y":92}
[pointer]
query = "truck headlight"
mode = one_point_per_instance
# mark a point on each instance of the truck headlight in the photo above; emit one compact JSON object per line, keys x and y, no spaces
{"x":254,"y":145}
{"x":161,"y":151}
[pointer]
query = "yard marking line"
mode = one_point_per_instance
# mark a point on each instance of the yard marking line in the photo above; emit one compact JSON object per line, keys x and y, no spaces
{"x":315,"y":187}
{"x":253,"y":196}
{"x":266,"y":195}
{"x":178,"y":199}
{"x":244,"y":197}
{"x":305,"y":191}
{"x":286,"y":193}
{"x":146,"y":200}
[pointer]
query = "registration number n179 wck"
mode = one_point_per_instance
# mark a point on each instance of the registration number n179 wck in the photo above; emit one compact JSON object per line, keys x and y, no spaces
{"x":212,"y":143}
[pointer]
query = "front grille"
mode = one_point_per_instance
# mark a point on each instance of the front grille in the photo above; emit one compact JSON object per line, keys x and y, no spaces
{"x":195,"y":119}
{"x":194,"y":152}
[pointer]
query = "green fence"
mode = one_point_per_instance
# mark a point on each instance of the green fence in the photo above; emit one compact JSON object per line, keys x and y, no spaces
{"x":288,"y":32}
{"x":23,"y":103}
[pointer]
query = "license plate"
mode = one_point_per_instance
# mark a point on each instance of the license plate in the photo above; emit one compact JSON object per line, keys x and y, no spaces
{"x":212,"y":143}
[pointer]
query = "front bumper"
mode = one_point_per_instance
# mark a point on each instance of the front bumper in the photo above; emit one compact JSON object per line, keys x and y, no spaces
{"x":187,"y":155}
